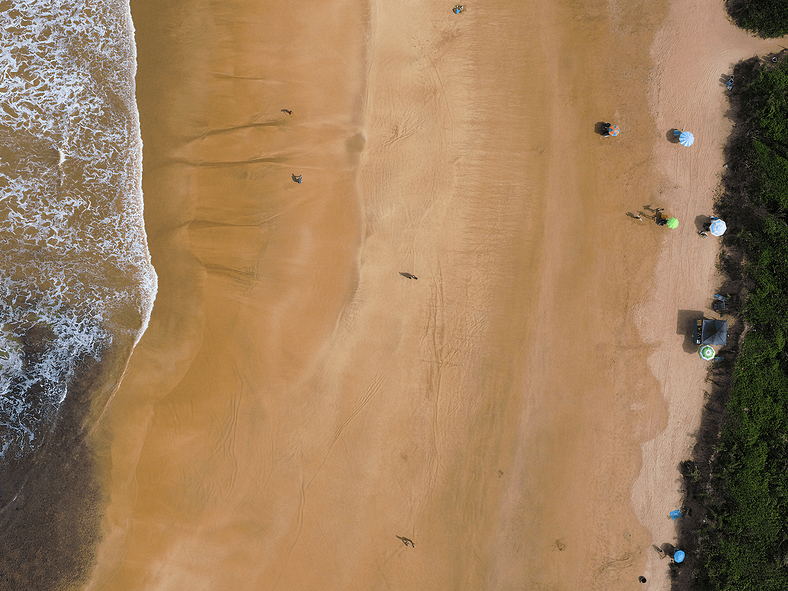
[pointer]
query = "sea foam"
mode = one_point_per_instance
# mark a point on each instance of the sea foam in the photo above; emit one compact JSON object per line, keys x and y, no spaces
{"x":75,"y":270}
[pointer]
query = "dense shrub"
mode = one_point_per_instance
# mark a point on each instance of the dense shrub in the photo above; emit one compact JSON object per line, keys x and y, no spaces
{"x":768,"y":18}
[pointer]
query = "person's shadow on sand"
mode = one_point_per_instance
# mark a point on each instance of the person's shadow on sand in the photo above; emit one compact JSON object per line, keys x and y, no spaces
{"x":672,"y":137}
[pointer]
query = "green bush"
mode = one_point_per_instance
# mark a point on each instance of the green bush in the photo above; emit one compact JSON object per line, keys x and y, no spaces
{"x":765,"y":17}
{"x":743,"y":544}
{"x":773,"y":169}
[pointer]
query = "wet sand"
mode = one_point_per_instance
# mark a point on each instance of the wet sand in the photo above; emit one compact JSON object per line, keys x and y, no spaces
{"x":52,"y":499}
{"x":296,"y":403}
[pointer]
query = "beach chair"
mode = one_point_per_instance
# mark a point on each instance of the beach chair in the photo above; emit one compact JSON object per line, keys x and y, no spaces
{"x":720,"y":303}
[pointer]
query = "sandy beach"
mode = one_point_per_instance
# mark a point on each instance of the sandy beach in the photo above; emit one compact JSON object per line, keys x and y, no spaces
{"x":686,"y":91}
{"x":517,"y":403}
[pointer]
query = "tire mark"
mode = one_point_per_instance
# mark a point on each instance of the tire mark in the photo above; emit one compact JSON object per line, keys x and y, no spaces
{"x":382,"y":574}
{"x":301,"y":501}
{"x":227,"y":442}
{"x":446,"y":101}
{"x":409,"y":126}
{"x":371,"y":390}
{"x":434,"y":336}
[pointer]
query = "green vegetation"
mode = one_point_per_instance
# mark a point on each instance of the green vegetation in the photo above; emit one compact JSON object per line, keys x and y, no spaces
{"x":768,"y":18}
{"x":736,"y":530}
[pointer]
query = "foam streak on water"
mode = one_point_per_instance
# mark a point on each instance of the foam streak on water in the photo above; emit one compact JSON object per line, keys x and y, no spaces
{"x":74,"y":265}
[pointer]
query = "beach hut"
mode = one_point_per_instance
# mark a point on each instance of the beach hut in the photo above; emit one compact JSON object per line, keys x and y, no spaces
{"x":714,"y":332}
{"x":685,"y":137}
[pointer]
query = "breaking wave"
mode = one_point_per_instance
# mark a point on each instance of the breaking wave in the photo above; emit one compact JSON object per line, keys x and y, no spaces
{"x":74,"y":265}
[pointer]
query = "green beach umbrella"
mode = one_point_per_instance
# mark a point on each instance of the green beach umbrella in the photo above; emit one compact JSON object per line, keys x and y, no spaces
{"x":673,"y":223}
{"x":706,"y":352}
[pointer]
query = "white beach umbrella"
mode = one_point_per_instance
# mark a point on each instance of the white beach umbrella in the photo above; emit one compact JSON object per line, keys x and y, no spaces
{"x":718,"y":227}
{"x":686,"y":138}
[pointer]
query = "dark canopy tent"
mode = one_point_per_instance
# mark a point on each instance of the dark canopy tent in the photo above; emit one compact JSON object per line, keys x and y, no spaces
{"x":714,"y":332}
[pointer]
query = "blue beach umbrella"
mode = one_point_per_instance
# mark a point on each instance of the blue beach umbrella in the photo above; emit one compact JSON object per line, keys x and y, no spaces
{"x":718,"y":227}
{"x":678,"y":556}
{"x":686,"y":138}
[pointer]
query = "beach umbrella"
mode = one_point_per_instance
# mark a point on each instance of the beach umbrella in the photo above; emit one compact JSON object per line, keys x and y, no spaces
{"x":678,"y":556}
{"x":613,"y":130}
{"x":706,"y":353}
{"x":686,"y":138}
{"x":718,"y":227}
{"x":672,"y":223}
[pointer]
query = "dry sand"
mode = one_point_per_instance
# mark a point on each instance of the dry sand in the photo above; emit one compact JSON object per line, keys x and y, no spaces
{"x":694,"y":53}
{"x":296,"y":403}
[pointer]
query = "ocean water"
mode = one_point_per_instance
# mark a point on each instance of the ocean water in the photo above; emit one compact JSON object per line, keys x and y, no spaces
{"x":75,"y":271}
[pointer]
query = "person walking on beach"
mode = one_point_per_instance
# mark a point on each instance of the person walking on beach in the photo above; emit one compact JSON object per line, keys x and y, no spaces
{"x":407,"y":541}
{"x":296,"y":178}
{"x":288,"y":111}
{"x":408,"y":275}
